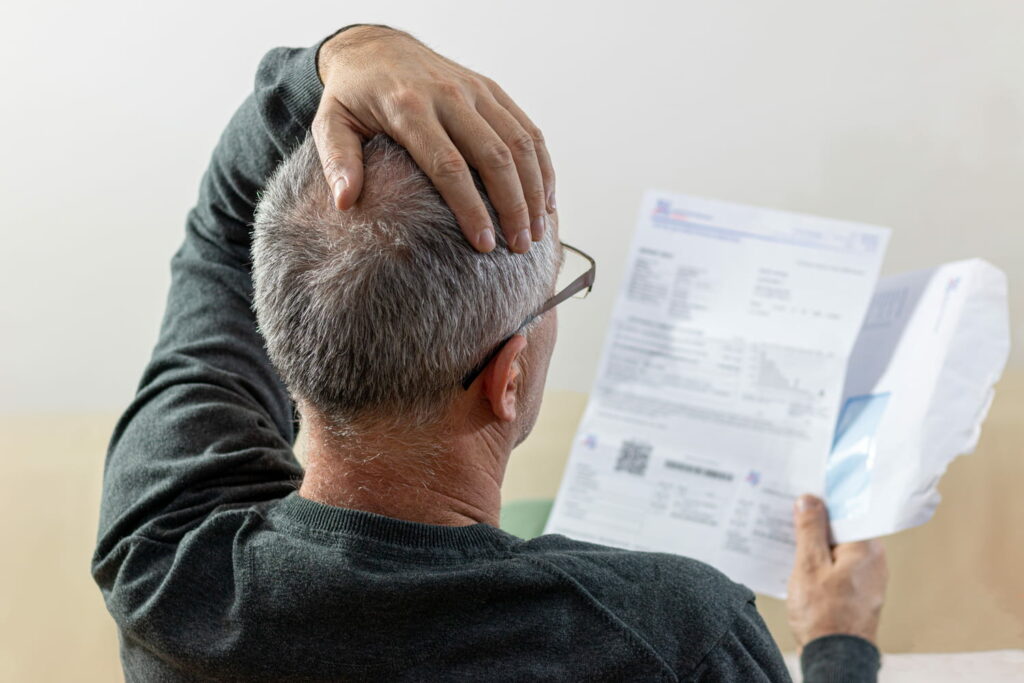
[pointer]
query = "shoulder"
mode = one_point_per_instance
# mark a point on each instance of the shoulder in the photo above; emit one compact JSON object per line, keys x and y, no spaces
{"x":682,"y":607}
{"x":673,"y":578}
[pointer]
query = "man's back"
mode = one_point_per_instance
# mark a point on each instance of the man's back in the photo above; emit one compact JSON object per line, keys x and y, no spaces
{"x":298,"y":590}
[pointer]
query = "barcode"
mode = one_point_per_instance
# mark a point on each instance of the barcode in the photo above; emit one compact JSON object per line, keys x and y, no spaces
{"x":694,"y":469}
{"x":633,"y":457}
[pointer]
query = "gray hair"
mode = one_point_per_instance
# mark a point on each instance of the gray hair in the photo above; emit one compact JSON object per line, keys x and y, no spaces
{"x":373,"y":315}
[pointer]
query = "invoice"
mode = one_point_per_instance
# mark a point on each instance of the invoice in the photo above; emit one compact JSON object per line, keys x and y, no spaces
{"x":720,"y":384}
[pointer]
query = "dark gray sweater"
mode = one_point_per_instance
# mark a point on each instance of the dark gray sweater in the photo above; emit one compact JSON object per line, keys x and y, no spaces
{"x":214,"y":568}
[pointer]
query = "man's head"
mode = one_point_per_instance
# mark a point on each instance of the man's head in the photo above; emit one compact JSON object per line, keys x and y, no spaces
{"x":372,"y":316}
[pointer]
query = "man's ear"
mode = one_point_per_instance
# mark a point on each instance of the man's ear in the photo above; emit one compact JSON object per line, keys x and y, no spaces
{"x":501,"y":378}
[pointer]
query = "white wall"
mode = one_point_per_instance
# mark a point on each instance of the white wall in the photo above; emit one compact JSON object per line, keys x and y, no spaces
{"x":905,"y":114}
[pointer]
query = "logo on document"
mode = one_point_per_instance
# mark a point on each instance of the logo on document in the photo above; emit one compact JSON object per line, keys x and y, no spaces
{"x":590,"y":441}
{"x":753,"y":478}
{"x":663,"y":207}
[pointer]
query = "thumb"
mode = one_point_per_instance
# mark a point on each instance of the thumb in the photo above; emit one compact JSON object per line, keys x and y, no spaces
{"x":810,"y":520}
{"x":341,"y":151}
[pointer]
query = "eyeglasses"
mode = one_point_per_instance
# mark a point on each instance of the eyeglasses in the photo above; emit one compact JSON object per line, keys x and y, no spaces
{"x":579,"y":288}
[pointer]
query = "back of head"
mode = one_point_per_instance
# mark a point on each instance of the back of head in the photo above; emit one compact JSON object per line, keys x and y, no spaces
{"x":376,"y":313}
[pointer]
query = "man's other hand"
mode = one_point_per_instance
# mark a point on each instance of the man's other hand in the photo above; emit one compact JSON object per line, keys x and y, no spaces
{"x":833,"y":589}
{"x":378,"y":80}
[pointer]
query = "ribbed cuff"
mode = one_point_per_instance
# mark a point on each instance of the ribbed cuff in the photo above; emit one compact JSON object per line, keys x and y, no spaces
{"x":303,"y":91}
{"x":840,"y":658}
{"x":302,"y":87}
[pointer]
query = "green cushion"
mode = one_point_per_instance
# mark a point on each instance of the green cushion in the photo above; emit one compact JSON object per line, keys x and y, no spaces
{"x":526,"y":518}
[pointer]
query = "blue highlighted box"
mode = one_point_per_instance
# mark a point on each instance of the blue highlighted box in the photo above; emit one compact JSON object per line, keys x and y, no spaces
{"x":851,"y":461}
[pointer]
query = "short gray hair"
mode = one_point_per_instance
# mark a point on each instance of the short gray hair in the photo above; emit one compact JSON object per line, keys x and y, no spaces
{"x":376,"y":313}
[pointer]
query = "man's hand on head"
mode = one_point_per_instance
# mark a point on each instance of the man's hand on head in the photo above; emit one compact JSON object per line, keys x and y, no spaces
{"x":833,"y":589}
{"x":379,"y":80}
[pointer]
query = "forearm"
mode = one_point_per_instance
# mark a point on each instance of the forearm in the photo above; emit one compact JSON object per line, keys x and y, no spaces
{"x":212,"y":423}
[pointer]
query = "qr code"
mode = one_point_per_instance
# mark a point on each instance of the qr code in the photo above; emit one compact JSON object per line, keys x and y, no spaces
{"x":633,"y":457}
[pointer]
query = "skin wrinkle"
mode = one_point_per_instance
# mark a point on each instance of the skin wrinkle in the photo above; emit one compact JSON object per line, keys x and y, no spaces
{"x":360,"y":476}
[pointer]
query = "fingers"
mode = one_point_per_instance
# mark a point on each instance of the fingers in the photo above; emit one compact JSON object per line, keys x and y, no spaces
{"x":547,"y":171}
{"x":810,"y":520}
{"x":521,"y":145}
{"x":341,"y":151}
{"x":453,"y":123}
{"x":482,"y":147}
{"x":433,"y":151}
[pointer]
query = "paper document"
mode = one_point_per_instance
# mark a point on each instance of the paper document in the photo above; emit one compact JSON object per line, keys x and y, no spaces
{"x":919,"y":384}
{"x":724,"y":378}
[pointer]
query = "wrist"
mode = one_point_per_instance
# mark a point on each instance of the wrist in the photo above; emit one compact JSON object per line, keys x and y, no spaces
{"x":347,"y":38}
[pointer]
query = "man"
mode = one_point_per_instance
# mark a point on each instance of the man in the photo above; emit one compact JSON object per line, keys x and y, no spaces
{"x":416,"y":363}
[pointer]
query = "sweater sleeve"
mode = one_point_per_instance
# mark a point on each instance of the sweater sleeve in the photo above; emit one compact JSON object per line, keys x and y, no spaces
{"x":840,"y":658}
{"x":211,"y":423}
{"x":746,"y":652}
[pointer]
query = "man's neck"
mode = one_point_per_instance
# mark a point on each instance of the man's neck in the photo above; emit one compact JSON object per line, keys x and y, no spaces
{"x":454,"y":481}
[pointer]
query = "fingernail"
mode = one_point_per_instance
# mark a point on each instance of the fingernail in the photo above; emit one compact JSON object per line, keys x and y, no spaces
{"x":339,"y":187}
{"x":805,"y":503}
{"x":540,"y":223}
{"x":485,"y":240}
{"x":521,"y":241}
{"x":551,"y":200}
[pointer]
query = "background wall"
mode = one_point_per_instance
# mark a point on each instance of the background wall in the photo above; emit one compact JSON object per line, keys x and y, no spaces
{"x":908,"y":114}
